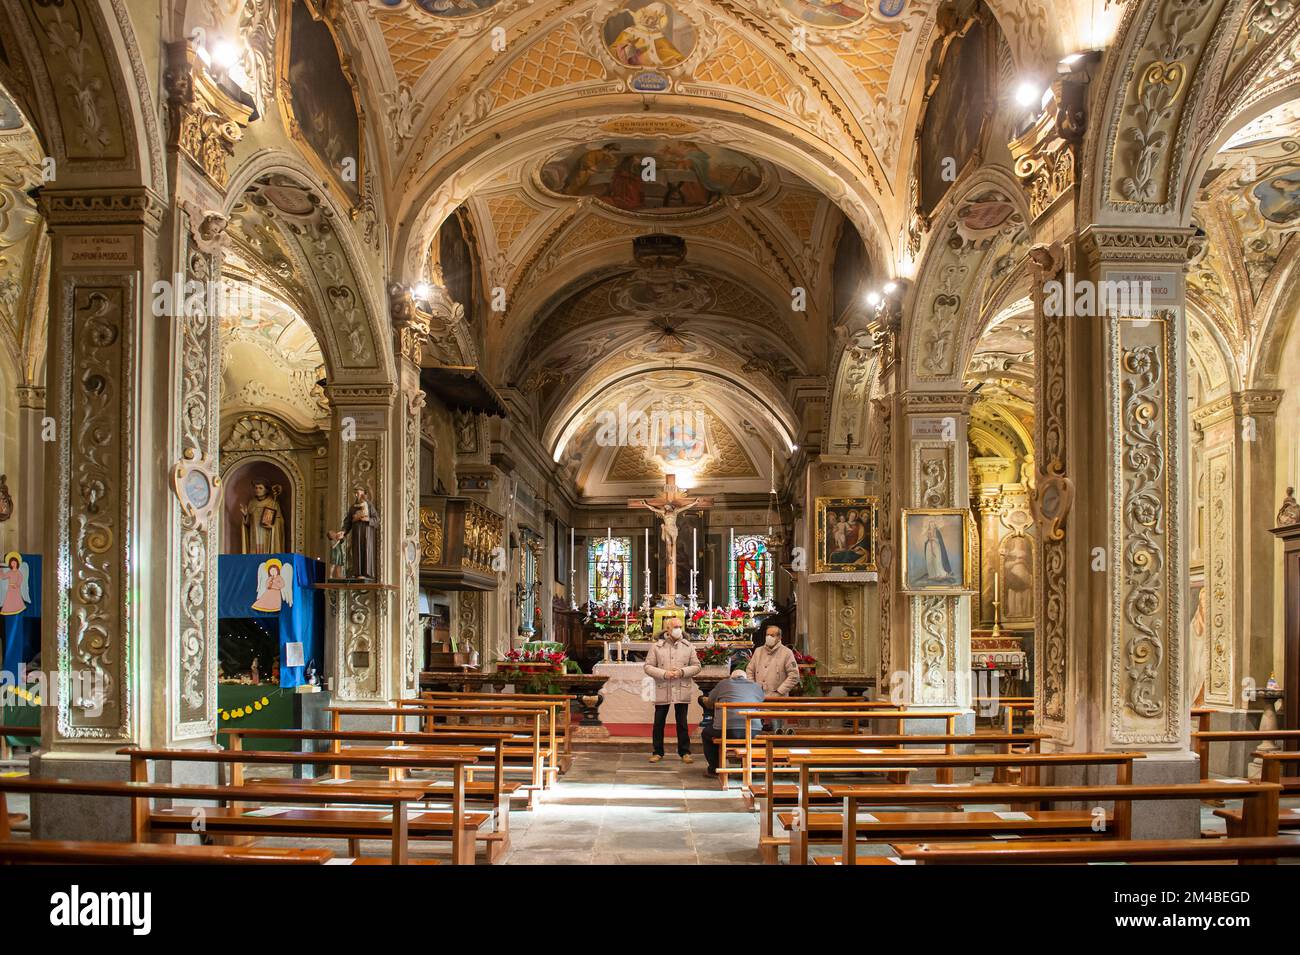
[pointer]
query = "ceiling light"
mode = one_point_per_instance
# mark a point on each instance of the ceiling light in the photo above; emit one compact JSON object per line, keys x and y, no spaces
{"x":891,"y":288}
{"x":1072,"y":59}
{"x":225,"y":54}
{"x":685,"y":479}
{"x":873,"y":298}
{"x":422,"y":291}
{"x":1027,"y":93}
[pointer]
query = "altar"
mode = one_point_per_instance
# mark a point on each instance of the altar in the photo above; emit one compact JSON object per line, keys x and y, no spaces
{"x":627,"y":701}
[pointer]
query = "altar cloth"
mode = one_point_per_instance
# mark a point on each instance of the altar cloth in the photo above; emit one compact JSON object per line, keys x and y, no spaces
{"x":627,"y":701}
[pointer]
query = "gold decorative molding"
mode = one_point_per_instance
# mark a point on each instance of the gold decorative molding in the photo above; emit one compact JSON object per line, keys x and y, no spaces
{"x":205,"y":120}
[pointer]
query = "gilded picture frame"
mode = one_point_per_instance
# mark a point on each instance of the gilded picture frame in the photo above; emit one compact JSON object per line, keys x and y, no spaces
{"x":351,"y":193}
{"x":938,"y":550}
{"x":846,"y":543}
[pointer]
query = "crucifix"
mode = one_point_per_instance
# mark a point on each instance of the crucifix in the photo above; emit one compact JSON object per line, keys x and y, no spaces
{"x":668,"y":506}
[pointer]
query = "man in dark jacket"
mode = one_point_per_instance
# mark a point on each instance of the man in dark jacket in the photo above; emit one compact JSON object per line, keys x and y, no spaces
{"x":737,"y":688}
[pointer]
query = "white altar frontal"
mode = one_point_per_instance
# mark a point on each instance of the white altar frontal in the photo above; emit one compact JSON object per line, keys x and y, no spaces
{"x":627,"y":701}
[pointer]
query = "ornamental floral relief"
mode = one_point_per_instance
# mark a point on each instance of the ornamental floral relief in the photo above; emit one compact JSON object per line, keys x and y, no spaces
{"x":1146,"y":604}
{"x":1219,"y":563}
{"x":196,"y":662}
{"x":94,"y":526}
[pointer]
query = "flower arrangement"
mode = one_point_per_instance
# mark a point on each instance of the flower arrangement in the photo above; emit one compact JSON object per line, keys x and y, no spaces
{"x":804,"y":660}
{"x":714,"y":655}
{"x":534,"y":671}
{"x":725,"y":619}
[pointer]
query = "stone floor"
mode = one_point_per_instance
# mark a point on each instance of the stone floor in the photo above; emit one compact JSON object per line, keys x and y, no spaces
{"x":616,"y":808}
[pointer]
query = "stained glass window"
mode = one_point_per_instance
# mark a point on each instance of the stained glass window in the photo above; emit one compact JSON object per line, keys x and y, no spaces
{"x":752,"y":572}
{"x":609,"y":566}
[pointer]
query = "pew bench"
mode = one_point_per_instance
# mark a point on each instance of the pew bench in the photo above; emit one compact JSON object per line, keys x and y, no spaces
{"x":775,"y":711}
{"x":533,"y":755}
{"x":353,"y":822}
{"x":495,"y":792}
{"x":1158,"y":851}
{"x":1259,"y":810}
{"x":1201,"y":741}
{"x":73,"y":852}
{"x":804,"y":826}
{"x":555,"y":736}
{"x":563,"y":704}
{"x":139,"y":793}
{"x":1288,"y":819}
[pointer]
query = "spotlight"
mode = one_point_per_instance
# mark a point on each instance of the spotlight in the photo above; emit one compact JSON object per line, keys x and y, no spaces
{"x":422,"y":291}
{"x":873,"y":298}
{"x":1027,"y":94}
{"x":225,"y":54}
{"x":891,"y":288}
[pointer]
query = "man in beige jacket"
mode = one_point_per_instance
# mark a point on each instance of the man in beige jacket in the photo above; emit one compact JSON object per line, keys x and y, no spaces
{"x":773,"y":666}
{"x":672,"y":662}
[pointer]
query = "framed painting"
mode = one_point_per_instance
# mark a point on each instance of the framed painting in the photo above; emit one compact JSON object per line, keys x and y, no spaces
{"x":318,"y":99}
{"x":937,"y":550}
{"x":956,"y":109}
{"x":846,"y":534}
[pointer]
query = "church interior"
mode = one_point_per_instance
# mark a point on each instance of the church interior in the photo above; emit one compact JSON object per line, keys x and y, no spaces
{"x":411,"y":408}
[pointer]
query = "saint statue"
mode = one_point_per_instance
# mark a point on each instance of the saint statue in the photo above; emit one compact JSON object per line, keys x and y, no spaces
{"x":263,"y":531}
{"x":6,"y":501}
{"x":359,"y":527}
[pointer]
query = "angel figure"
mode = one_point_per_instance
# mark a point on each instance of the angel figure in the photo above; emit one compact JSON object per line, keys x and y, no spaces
{"x":14,"y":593}
{"x":274,"y":586}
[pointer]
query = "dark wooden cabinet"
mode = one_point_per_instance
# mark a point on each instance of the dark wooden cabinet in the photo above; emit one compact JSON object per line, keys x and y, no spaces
{"x":568,"y":629}
{"x":1290,"y":537}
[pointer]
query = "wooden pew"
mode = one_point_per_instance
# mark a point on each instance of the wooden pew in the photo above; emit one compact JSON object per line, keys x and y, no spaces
{"x":23,"y":732}
{"x":556,"y":728}
{"x":71,"y":852}
{"x":804,"y":825}
{"x":457,"y":826}
{"x":564,"y":712}
{"x":490,"y":748}
{"x":1259,"y":813}
{"x":774,"y":747}
{"x":1201,"y":740}
{"x":1273,"y":762}
{"x":143,"y":830}
{"x":533,"y":754}
{"x":794,"y":714}
{"x":1022,"y":852}
{"x":1008,"y":706}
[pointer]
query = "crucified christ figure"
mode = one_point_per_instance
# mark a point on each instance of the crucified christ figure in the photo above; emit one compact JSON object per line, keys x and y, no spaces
{"x":668,"y":506}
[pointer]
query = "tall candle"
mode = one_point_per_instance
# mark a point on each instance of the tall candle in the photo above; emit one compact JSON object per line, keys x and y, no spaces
{"x":710,"y":596}
{"x":647,"y":550}
{"x":570,"y":550}
{"x":695,"y":551}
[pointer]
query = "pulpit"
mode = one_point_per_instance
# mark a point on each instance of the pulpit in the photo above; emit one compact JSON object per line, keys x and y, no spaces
{"x":459,"y":542}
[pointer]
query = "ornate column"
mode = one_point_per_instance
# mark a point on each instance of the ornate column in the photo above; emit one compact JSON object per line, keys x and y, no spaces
{"x":987,"y":499}
{"x":1257,"y":436}
{"x":105,"y":509}
{"x":410,"y":331}
{"x":1126,"y":408}
{"x":205,"y":123}
{"x":32,"y":478}
{"x":842,"y":611}
{"x":933,"y":472}
{"x":362,"y":650}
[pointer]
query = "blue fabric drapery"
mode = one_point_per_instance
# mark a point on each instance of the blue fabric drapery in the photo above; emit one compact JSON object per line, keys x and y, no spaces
{"x":22,"y":631}
{"x":303,"y":621}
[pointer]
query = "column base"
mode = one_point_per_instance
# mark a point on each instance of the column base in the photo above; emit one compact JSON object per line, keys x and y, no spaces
{"x":98,"y":818}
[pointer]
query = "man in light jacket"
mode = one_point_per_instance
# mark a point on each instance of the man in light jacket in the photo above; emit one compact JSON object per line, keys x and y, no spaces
{"x":773,"y":665}
{"x":672,"y":663}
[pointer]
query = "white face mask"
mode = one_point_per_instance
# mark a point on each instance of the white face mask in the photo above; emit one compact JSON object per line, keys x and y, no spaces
{"x":772,"y":641}
{"x":675,"y":633}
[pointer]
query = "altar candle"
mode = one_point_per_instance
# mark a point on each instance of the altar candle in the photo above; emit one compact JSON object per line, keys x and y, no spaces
{"x":710,"y":596}
{"x":695,"y":553}
{"x":570,"y":550}
{"x":647,"y":550}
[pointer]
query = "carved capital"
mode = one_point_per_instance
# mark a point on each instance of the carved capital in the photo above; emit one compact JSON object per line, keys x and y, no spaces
{"x":205,"y":119}
{"x":1046,"y":154}
{"x":1140,"y":247}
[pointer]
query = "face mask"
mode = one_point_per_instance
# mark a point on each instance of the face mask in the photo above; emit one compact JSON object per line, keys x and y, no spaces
{"x":675,"y":633}
{"x":772,"y":642}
